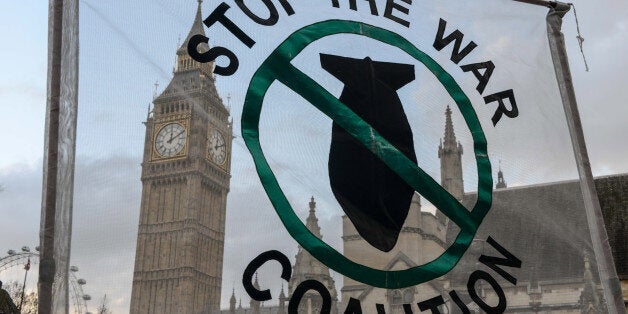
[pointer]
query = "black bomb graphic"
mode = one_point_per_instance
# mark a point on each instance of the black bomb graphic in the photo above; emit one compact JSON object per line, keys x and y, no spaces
{"x":374,"y":197}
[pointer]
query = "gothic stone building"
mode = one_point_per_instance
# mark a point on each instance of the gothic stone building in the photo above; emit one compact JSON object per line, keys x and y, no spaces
{"x":564,"y":281}
{"x":559,"y":276}
{"x":185,"y":181}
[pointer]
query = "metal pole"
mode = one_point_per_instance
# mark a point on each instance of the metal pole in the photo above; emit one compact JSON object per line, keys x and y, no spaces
{"x":599,"y":239}
{"x":59,"y":151}
{"x":47,"y":225}
{"x":549,"y":4}
{"x":23,"y":289}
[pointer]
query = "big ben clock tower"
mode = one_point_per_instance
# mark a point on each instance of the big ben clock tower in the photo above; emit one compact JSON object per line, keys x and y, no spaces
{"x":185,"y":181}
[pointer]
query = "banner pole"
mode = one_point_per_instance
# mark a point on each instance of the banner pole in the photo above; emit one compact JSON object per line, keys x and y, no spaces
{"x":599,"y":238}
{"x":543,"y":3}
{"x":59,"y":152}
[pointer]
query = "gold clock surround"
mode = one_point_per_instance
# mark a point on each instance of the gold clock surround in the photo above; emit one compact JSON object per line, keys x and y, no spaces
{"x":158,"y":125}
{"x":222,"y":164}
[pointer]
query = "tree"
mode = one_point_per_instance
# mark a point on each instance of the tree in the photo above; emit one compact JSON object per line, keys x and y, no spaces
{"x":29,"y":306}
{"x":103,"y":308}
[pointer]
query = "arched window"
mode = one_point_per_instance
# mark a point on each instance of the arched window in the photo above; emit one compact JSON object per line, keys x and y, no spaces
{"x":408,"y":296}
{"x":396,"y":302}
{"x":396,"y":298}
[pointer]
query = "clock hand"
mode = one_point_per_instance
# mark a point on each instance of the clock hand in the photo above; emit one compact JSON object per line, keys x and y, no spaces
{"x":173,"y":137}
{"x":218,"y":146}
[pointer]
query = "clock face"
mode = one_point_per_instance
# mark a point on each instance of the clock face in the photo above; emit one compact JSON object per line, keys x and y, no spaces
{"x":217,"y":147}
{"x":170,"y":140}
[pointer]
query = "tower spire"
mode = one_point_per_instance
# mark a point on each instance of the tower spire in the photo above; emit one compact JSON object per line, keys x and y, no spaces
{"x":312,"y":221}
{"x":184,"y":61}
{"x":282,"y":301}
{"x":450,"y":154}
{"x":232,"y":302}
{"x":255,"y":305}
{"x":450,"y":135}
{"x":590,"y":300}
{"x":197,"y":25}
{"x":307,"y":267}
{"x":501,"y":183}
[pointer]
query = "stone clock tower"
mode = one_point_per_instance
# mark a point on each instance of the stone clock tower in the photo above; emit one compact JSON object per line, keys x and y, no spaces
{"x":185,"y":181}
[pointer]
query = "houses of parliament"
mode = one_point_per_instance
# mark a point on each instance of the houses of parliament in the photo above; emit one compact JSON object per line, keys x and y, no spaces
{"x":185,"y":180}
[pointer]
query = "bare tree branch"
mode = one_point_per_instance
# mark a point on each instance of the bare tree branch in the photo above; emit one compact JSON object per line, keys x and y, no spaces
{"x":103,"y":308}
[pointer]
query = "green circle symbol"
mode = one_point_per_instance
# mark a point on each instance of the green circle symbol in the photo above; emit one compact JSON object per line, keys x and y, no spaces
{"x":278,"y":67}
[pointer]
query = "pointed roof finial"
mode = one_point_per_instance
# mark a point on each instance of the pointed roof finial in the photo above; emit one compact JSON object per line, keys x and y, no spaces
{"x":156,"y":88}
{"x":232,"y":300}
{"x":501,"y":183}
{"x":450,"y":135}
{"x":312,"y":221}
{"x":256,"y":283}
{"x":312,"y":205}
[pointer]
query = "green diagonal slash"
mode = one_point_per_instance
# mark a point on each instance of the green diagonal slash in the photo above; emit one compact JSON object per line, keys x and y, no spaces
{"x":278,"y":67}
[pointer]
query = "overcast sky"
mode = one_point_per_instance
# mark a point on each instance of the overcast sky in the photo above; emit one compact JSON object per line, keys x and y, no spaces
{"x":128,"y":46}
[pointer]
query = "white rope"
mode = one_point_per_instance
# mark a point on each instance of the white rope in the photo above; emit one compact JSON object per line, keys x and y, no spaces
{"x":579,"y":37}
